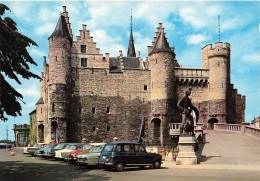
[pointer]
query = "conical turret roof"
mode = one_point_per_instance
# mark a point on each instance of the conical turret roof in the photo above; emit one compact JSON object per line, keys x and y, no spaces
{"x":61,"y":29}
{"x":161,"y":45}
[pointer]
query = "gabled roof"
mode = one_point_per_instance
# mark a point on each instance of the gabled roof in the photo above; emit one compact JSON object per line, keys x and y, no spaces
{"x":161,"y":45}
{"x":40,"y":101}
{"x":131,"y":62}
{"x":61,"y":29}
{"x":114,"y":65}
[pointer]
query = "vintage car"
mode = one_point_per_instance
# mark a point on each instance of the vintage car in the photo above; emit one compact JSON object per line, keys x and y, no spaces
{"x":119,"y":155}
{"x":72,"y":156}
{"x":61,"y":154}
{"x":50,"y":153}
{"x":5,"y":145}
{"x":38,"y":146}
{"x":90,"y":159}
{"x":41,"y":152}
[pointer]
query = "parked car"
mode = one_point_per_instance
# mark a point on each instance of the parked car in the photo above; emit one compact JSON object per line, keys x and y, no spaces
{"x":89,"y":159}
{"x":61,"y":154}
{"x":5,"y":145}
{"x":72,"y":156}
{"x":41,"y":152}
{"x":119,"y":155}
{"x":50,"y":153}
{"x":38,"y":146}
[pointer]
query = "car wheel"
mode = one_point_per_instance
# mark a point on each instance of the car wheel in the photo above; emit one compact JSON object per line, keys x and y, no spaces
{"x":157,"y":164}
{"x":119,"y":166}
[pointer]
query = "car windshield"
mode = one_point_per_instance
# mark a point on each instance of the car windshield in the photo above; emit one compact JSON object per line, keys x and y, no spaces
{"x":59,"y":146}
{"x":50,"y":146}
{"x":36,"y":145}
{"x":108,"y":148}
{"x":73,"y":147}
{"x":67,"y":147}
{"x":87,"y":147}
{"x":97,"y":149}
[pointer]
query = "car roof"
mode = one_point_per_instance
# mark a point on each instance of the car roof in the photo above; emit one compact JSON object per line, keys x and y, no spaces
{"x":115,"y":143}
{"x":97,"y":144}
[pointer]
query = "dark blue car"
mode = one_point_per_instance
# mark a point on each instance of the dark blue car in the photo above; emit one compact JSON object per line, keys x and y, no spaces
{"x":125,"y":154}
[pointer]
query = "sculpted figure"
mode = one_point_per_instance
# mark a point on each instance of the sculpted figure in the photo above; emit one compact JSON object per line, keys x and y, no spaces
{"x":185,"y":107}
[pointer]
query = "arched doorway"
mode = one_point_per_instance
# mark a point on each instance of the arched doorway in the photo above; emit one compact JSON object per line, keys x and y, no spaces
{"x":54,"y":128}
{"x":156,"y":130}
{"x":41,"y":133}
{"x":211,"y":123}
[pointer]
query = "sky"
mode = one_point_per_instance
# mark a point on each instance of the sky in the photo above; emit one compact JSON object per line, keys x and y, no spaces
{"x":189,"y":26}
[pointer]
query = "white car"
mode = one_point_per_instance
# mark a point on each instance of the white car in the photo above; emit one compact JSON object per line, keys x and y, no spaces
{"x":61,"y":154}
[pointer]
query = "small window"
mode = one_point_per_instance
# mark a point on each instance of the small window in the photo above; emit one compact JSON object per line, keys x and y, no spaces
{"x":143,"y":100}
{"x":118,"y":148}
{"x":55,"y":58}
{"x":83,"y":48}
{"x":165,"y":83}
{"x":93,"y":128}
{"x":53,"y":107}
{"x":156,"y":60}
{"x":209,"y":107}
{"x":108,"y":128}
{"x":41,"y":108}
{"x":93,"y":110}
{"x":84,"y":62}
{"x":80,"y":109}
{"x":145,"y":87}
{"x":104,"y":58}
{"x":107,"y":110}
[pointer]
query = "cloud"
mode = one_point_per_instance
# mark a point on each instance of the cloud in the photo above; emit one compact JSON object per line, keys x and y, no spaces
{"x":37,"y":52}
{"x":48,"y":15}
{"x":108,"y":44}
{"x":45,"y":29}
{"x":196,"y":39}
{"x":252,"y":58}
{"x":30,"y":91}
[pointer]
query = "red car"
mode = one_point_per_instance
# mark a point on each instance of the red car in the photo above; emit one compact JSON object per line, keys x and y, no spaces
{"x":72,"y":155}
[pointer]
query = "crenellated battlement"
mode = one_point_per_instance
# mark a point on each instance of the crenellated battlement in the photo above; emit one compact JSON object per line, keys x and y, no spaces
{"x":220,"y":49}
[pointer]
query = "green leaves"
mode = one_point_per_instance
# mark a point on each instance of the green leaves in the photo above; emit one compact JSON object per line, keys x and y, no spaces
{"x":14,"y":60}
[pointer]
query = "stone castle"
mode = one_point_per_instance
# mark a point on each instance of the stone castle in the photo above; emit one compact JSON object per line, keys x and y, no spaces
{"x":96,"y":97}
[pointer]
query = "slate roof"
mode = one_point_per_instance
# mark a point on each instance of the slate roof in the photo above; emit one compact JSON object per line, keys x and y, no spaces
{"x":61,"y":29}
{"x":114,"y":65}
{"x":131,"y":62}
{"x":161,"y":45}
{"x":131,"y":46}
{"x":40,"y":101}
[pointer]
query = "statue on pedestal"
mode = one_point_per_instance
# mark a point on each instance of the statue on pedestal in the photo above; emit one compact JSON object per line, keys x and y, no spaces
{"x":185,"y":106}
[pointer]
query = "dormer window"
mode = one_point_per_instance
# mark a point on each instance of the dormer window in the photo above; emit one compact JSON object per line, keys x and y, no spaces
{"x":84,"y":62}
{"x":83,"y":48}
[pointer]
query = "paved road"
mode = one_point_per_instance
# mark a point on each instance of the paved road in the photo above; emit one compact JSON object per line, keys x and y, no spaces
{"x":223,"y":161}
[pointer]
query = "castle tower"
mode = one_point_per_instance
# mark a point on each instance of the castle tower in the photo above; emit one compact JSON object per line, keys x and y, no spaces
{"x":59,"y":81}
{"x":161,"y":63}
{"x":217,"y":60}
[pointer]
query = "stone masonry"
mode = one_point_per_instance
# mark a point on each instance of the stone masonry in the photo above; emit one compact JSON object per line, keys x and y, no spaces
{"x":88,"y":95}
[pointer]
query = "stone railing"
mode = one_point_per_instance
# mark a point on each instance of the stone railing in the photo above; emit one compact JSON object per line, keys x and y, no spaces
{"x":191,"y":72}
{"x":228,"y":127}
{"x":175,"y":129}
{"x":252,"y":131}
{"x":247,"y":130}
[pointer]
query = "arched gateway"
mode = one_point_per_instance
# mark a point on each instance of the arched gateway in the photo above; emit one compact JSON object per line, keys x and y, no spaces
{"x":211,"y":123}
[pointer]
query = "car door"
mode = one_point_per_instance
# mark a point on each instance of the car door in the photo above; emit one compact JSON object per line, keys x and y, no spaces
{"x":131,"y":157}
{"x":143,"y":156}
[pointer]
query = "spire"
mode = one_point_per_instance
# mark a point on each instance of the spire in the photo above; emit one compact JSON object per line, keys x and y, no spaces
{"x":161,"y":44}
{"x":131,"y":46}
{"x":61,"y":29}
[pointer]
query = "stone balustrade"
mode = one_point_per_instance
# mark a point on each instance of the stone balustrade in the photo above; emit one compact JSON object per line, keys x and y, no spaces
{"x":247,"y":130}
{"x":175,"y":129}
{"x":228,"y":127}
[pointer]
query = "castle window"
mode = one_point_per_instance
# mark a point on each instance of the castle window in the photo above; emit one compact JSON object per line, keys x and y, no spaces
{"x":53,"y":108}
{"x":80,"y":109}
{"x":93,"y":110}
{"x":93,"y":128}
{"x":84,"y":62}
{"x":222,"y":84}
{"x":125,"y":115}
{"x":107,"y":110}
{"x":209,"y":107}
{"x":165,"y":83}
{"x":55,"y":58}
{"x":104,"y":58}
{"x":143,"y":100}
{"x":83,"y":48}
{"x":108,"y":128}
{"x":156,"y":60}
{"x":145,"y":87}
{"x":41,"y":110}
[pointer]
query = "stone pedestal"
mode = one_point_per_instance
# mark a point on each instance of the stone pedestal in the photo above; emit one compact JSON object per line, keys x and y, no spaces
{"x":187,"y":155}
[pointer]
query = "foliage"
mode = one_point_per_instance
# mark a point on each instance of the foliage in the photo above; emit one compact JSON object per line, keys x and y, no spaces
{"x":14,"y":60}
